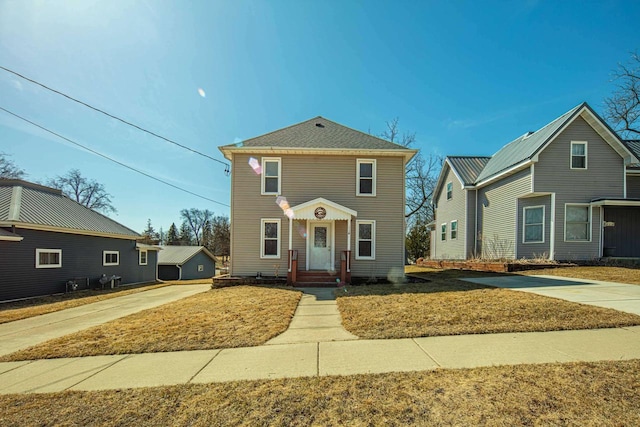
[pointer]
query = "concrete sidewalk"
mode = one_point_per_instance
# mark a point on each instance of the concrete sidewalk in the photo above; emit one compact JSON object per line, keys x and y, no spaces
{"x":618,"y":296}
{"x":34,"y":330}
{"x":317,"y":359}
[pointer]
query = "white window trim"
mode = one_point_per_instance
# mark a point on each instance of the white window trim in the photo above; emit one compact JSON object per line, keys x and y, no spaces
{"x":447,"y":190}
{"x":146,"y":258}
{"x":373,"y":174}
{"x":262,"y":223}
{"x":104,"y":258}
{"x":586,"y":155}
{"x":451,"y":230}
{"x":590,"y":229}
{"x":524,"y":224}
{"x":373,"y":239}
{"x":263,"y":175}
{"x":200,"y":268}
{"x":56,"y":251}
{"x":443,"y":233}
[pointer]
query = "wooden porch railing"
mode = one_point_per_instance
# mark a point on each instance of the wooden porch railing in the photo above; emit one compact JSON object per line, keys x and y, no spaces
{"x":345,"y":267}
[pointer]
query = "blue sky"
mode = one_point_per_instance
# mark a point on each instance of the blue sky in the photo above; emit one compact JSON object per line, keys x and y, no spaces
{"x":466,"y":76}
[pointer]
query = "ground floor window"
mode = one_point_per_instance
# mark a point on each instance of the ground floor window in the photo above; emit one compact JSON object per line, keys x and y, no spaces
{"x":533,"y":225}
{"x":366,"y":239}
{"x":454,"y":230}
{"x":48,"y":258}
{"x":577,"y":223}
{"x":143,"y":258}
{"x":110,"y":258}
{"x":443,"y":232}
{"x":270,"y":238}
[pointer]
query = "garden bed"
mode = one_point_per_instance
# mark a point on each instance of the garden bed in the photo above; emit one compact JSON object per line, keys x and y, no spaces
{"x":492,"y":266}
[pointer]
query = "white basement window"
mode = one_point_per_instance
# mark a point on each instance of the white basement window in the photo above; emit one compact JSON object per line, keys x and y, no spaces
{"x":48,"y":258}
{"x":110,"y":258}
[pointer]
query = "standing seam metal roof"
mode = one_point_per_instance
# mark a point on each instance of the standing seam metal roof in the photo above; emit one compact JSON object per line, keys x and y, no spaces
{"x":178,"y":255}
{"x":468,"y":167}
{"x":40,"y":205}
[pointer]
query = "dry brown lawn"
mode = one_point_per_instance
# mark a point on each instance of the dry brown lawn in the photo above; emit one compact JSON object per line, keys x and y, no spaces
{"x":17,"y":310}
{"x":607,"y":274}
{"x":223,"y":318}
{"x":448,"y":306}
{"x":584,"y":394}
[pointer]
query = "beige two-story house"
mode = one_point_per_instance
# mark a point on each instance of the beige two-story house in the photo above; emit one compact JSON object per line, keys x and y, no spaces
{"x":317,"y":202}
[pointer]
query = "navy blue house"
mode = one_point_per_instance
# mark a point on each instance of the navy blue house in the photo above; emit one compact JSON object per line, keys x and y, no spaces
{"x":47,"y":239}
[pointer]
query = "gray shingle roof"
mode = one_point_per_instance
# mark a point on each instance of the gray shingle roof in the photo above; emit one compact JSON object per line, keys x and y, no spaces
{"x":468,"y":167}
{"x":38,"y":205}
{"x":525,"y":147}
{"x":178,"y":255}
{"x":318,"y":133}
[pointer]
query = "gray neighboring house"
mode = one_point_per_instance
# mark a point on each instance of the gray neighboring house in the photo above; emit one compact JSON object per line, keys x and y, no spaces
{"x":320,"y":200}
{"x":569,"y":191}
{"x":186,"y":263}
{"x":47,"y":239}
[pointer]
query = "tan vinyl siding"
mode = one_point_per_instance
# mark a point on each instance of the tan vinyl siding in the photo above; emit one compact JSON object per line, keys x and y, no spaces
{"x":603,"y":178}
{"x":534,"y":250}
{"x":497,"y":214}
{"x":448,"y":211}
{"x":633,"y":186}
{"x":305,"y":178}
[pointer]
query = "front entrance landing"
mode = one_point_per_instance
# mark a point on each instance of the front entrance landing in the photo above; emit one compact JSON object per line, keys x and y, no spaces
{"x":316,"y":319}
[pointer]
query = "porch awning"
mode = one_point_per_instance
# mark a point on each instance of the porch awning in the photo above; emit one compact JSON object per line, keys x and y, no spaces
{"x":615,"y":202}
{"x":322,"y":209}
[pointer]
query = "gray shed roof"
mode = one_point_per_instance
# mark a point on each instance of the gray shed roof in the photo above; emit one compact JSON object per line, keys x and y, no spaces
{"x":526,"y":146}
{"x":178,"y":255}
{"x":317,"y":133}
{"x":468,"y":167}
{"x":24,"y":203}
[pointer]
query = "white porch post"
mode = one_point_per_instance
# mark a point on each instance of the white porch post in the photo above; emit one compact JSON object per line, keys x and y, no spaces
{"x":349,"y":234}
{"x":290,"y":233}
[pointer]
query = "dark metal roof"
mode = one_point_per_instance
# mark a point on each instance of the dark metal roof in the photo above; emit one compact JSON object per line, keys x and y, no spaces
{"x":526,"y":146}
{"x":178,"y":255}
{"x":468,"y":167}
{"x":28,"y":203}
{"x":318,"y":133}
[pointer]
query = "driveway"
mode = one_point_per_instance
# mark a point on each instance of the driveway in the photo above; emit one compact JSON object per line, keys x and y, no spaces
{"x":34,"y":330}
{"x":618,"y":296}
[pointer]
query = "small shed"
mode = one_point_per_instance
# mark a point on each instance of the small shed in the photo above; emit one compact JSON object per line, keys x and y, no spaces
{"x":185,"y":263}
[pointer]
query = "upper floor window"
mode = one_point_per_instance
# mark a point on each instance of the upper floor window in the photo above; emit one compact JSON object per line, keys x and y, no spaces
{"x":142,"y":260}
{"x":48,"y":258}
{"x":271,"y":175}
{"x":578,"y":155}
{"x":270,"y":240}
{"x":454,"y":230}
{"x":443,"y":232}
{"x":110,"y":258}
{"x":366,"y":238}
{"x":577,"y":223}
{"x":366,"y":177}
{"x":449,"y":190}
{"x":533,"y":225}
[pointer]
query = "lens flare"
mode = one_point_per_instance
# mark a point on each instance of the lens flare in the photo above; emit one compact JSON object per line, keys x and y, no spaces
{"x":201,"y":92}
{"x":255,"y":165}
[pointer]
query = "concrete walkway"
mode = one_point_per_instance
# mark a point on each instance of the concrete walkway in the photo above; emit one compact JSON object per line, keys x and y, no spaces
{"x":317,"y":359}
{"x":619,"y":296}
{"x":316,"y":319}
{"x":25,"y":333}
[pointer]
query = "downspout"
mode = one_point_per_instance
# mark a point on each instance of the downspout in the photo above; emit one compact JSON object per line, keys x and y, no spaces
{"x":180,"y":272}
{"x":475,"y":232}
{"x":552,"y":231}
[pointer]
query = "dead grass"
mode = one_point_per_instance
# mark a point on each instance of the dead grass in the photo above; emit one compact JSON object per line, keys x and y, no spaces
{"x":223,"y":318}
{"x":208,"y":281}
{"x":585,"y":394}
{"x":607,"y":274}
{"x":17,"y":310}
{"x":447,"y":306}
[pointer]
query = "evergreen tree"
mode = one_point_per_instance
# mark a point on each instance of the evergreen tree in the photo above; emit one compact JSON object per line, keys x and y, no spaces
{"x":172,"y":236}
{"x":186,"y":235}
{"x":150,"y":236}
{"x":418,"y":241}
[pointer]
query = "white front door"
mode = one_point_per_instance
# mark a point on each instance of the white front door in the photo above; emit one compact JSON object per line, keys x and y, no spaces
{"x":320,"y":244}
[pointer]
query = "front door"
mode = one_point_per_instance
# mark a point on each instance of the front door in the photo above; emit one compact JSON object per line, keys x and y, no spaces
{"x":320,"y":246}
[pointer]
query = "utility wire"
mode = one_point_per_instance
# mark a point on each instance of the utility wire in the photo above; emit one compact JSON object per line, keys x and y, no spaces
{"x":110,"y":159}
{"x":117,"y":118}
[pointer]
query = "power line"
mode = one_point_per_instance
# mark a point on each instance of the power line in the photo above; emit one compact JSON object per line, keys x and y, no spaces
{"x":117,"y":118}
{"x":110,"y":159}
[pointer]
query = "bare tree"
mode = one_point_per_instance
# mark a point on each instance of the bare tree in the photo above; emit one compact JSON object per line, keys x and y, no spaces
{"x":623,"y":107}
{"x":421,"y":174}
{"x":8,"y":168}
{"x":196,"y":219}
{"x":87,"y":192}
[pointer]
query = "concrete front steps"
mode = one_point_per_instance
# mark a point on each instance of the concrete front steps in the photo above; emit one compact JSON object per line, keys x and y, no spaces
{"x":317,"y":279}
